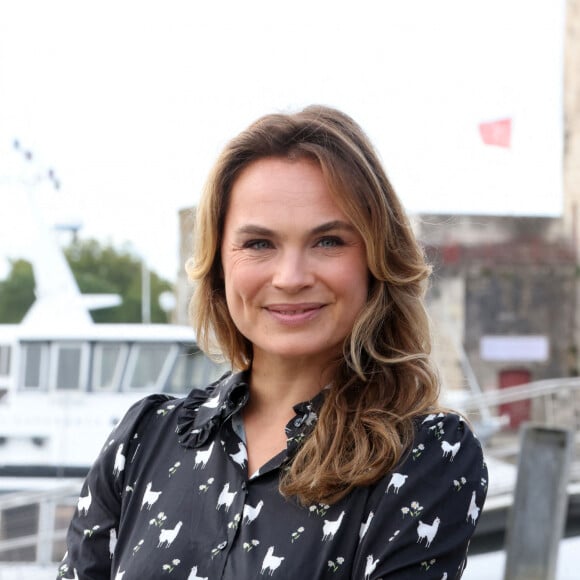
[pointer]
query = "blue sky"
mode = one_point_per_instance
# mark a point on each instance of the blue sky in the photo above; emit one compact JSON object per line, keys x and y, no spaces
{"x":130,"y":102}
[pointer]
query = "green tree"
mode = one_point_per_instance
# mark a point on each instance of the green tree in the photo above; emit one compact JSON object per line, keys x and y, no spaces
{"x":98,"y":269}
{"x":16,"y":292}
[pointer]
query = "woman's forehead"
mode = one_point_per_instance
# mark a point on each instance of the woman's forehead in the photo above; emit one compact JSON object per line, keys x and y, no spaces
{"x":274,"y":186}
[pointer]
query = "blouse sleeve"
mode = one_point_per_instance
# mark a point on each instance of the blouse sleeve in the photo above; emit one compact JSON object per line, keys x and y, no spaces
{"x":420,"y":521}
{"x":92,"y":533}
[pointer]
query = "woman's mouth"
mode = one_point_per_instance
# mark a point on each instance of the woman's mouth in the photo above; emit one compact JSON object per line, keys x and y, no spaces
{"x":294,"y":313}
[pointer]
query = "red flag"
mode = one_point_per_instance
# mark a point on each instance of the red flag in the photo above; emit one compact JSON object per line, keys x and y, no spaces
{"x":496,"y":132}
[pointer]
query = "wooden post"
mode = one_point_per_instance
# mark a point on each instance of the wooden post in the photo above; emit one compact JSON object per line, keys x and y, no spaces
{"x":538,"y":514}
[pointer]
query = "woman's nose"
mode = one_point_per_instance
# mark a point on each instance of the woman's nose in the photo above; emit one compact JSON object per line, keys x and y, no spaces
{"x":292,"y":271}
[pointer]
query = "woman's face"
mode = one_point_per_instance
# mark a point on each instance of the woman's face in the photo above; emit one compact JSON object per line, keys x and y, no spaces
{"x":295,"y":268}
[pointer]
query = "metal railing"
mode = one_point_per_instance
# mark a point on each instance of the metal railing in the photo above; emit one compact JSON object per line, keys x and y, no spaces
{"x":554,"y":402}
{"x":528,"y":391}
{"x":33,"y":523}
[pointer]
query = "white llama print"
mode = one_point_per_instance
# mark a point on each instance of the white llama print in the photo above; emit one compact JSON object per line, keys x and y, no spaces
{"x":271,"y":563}
{"x":473,"y":511}
{"x":167,"y":537}
{"x":330,"y":528}
{"x":84,"y":503}
{"x":397,"y":481}
{"x":365,"y":526}
{"x":370,"y":566}
{"x":112,"y":541}
{"x":241,"y":456}
{"x":226,"y":497}
{"x":449,"y":449}
{"x":202,"y":457}
{"x":427,"y":531}
{"x":119,"y":461}
{"x":251,"y":513}
{"x":150,"y":497}
{"x":193,"y":575}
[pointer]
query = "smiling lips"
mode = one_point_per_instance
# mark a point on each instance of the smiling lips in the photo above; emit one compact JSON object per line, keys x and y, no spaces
{"x":293,"y":313}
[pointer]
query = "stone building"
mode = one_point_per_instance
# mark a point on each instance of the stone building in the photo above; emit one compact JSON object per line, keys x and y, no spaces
{"x":502,"y":298}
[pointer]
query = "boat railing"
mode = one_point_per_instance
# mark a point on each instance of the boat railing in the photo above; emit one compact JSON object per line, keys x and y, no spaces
{"x":33,"y":524}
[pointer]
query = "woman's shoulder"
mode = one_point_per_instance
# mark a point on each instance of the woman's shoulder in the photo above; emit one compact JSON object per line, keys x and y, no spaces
{"x":139,"y":411}
{"x":164,"y":404}
{"x":443,"y":466}
{"x":443,"y":425}
{"x":439,"y":422}
{"x":446,"y":438}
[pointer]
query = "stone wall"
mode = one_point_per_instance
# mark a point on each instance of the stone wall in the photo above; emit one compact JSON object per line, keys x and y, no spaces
{"x":500,"y":276}
{"x":520,"y":299}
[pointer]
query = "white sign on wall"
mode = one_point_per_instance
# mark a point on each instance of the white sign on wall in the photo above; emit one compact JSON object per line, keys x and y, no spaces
{"x":531,"y":348}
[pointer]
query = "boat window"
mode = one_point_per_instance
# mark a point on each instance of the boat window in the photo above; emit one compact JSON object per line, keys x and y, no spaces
{"x":5,"y":352}
{"x":148,"y":366}
{"x":68,"y":370}
{"x":108,"y":362}
{"x":189,"y":372}
{"x":193,"y":370}
{"x":34,"y":365}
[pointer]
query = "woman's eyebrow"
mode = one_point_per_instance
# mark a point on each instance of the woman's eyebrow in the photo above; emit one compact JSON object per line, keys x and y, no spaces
{"x":332,"y":226}
{"x":256,"y":230}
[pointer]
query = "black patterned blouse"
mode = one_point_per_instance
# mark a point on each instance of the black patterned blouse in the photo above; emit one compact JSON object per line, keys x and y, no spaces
{"x":170,"y":497}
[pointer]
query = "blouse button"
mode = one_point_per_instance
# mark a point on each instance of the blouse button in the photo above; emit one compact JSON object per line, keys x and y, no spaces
{"x":222,"y":545}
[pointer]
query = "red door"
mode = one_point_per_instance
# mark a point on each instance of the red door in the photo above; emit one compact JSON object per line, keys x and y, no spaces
{"x":519,"y":411}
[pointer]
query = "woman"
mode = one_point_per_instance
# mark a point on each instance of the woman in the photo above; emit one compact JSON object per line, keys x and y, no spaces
{"x":325,"y":454}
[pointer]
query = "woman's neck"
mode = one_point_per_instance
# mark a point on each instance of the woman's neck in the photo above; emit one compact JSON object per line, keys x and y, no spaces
{"x":283,"y":384}
{"x":274,"y":391}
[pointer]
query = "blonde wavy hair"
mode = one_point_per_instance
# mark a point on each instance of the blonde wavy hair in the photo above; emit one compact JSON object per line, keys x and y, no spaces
{"x":385,"y":378}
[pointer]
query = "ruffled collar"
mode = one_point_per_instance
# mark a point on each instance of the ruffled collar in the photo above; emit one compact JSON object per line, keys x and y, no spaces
{"x":205,"y":410}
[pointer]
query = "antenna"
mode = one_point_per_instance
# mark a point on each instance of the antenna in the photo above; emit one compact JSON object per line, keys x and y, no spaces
{"x":58,"y":298}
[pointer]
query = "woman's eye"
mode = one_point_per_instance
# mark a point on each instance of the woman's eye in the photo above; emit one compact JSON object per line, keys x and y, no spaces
{"x":257,"y":245}
{"x":330,"y":242}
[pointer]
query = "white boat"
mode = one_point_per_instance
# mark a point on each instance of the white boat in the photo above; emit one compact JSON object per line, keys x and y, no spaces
{"x":64,"y":390}
{"x":65,"y":381}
